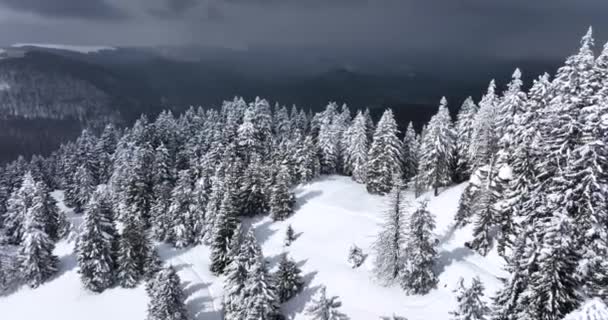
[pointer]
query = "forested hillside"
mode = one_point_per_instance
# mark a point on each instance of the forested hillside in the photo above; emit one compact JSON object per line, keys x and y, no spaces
{"x":532,"y":166}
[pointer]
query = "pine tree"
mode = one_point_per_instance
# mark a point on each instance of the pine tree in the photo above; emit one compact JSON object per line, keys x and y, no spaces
{"x":384,"y":156}
{"x":324,"y":308}
{"x":410,"y":153}
{"x":434,"y":166}
{"x":184,"y":212}
{"x":18,"y":205}
{"x":327,"y":140}
{"x":356,"y":147}
{"x":223,"y":229}
{"x":290,"y":236}
{"x":252,"y":194}
{"x":166,"y":297}
{"x":95,"y":249}
{"x":308,"y":165}
{"x":130,"y":254}
{"x":418,"y":276}
{"x":282,"y":200}
{"x":261,"y":302}
{"x":484,"y":141}
{"x":36,"y":259}
{"x":288,"y":279}
{"x":470,"y":303}
{"x":466,"y":205}
{"x":163,"y":179}
{"x":236,"y":275}
{"x":388,"y":246}
{"x":485,"y":210}
{"x":552,"y":290}
{"x":464,"y":132}
{"x":85,"y":185}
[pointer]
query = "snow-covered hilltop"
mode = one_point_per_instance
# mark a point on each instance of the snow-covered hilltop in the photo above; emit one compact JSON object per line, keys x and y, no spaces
{"x":64,"y":47}
{"x":319,"y":249}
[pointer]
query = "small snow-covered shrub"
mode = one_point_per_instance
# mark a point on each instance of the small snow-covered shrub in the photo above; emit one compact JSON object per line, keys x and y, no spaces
{"x":355,"y":256}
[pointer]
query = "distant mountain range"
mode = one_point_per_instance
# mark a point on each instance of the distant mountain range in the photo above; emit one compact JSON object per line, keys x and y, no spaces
{"x":49,"y":92}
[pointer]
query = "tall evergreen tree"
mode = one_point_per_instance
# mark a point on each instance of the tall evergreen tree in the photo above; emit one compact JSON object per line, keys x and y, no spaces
{"x":261,"y":302}
{"x":410,"y":153}
{"x":470,"y":303}
{"x":288,"y":279}
{"x":389,"y":244}
{"x":434,"y":166}
{"x":484,"y":141}
{"x":223,"y":230}
{"x":356,"y":147}
{"x":36,"y":259}
{"x":282,"y":200}
{"x":327,"y":140}
{"x":95,"y":249}
{"x":184,"y":213}
{"x":18,"y":205}
{"x":464,"y":133}
{"x":384,"y":156}
{"x":166,"y":297}
{"x":418,"y":276}
{"x":325,"y":308}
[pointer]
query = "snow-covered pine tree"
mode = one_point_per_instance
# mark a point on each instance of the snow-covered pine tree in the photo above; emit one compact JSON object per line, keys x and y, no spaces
{"x":519,"y":267}
{"x":388,"y":246}
{"x":236,"y":275}
{"x":166,"y":297}
{"x":384,"y":155}
{"x":282,"y":200}
{"x":132,"y":251}
{"x":418,"y":276}
{"x":552,"y":291}
{"x":184,"y":213}
{"x":84,"y":186}
{"x":36,"y":259}
{"x":261,"y":302}
{"x":55,"y":222}
{"x":410,"y":153}
{"x":484,"y":208}
{"x":355,"y":256}
{"x":249,"y":139}
{"x":18,"y":205}
{"x":290,"y":236}
{"x":287,"y":279}
{"x":466,"y":205}
{"x":308,"y":165}
{"x":95,"y":248}
{"x":325,"y":308}
{"x":470,"y":301}
{"x":464,"y":133}
{"x":223,"y":229}
{"x":253,"y":199}
{"x":484,"y":141}
{"x":327,"y":143}
{"x":370,"y":128}
{"x":356,"y":147}
{"x":106,"y":146}
{"x":163,"y":178}
{"x":437,"y":146}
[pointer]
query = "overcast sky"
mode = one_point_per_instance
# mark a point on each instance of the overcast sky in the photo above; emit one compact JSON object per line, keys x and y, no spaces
{"x":530,"y":28}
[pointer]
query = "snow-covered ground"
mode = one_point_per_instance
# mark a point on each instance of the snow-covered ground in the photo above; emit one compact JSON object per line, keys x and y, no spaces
{"x":332,"y":214}
{"x":65,"y":47}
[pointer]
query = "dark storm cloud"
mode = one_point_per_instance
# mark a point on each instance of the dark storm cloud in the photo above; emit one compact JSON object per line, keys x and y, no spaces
{"x":85,"y":9}
{"x":541,"y":28}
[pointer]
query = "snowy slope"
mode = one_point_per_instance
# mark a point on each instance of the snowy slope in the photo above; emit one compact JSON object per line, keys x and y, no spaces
{"x":65,"y":47}
{"x":349,"y":215}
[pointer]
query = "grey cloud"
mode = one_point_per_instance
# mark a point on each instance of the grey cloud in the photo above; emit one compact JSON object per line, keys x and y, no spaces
{"x":83,"y":9}
{"x":514,"y":28}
